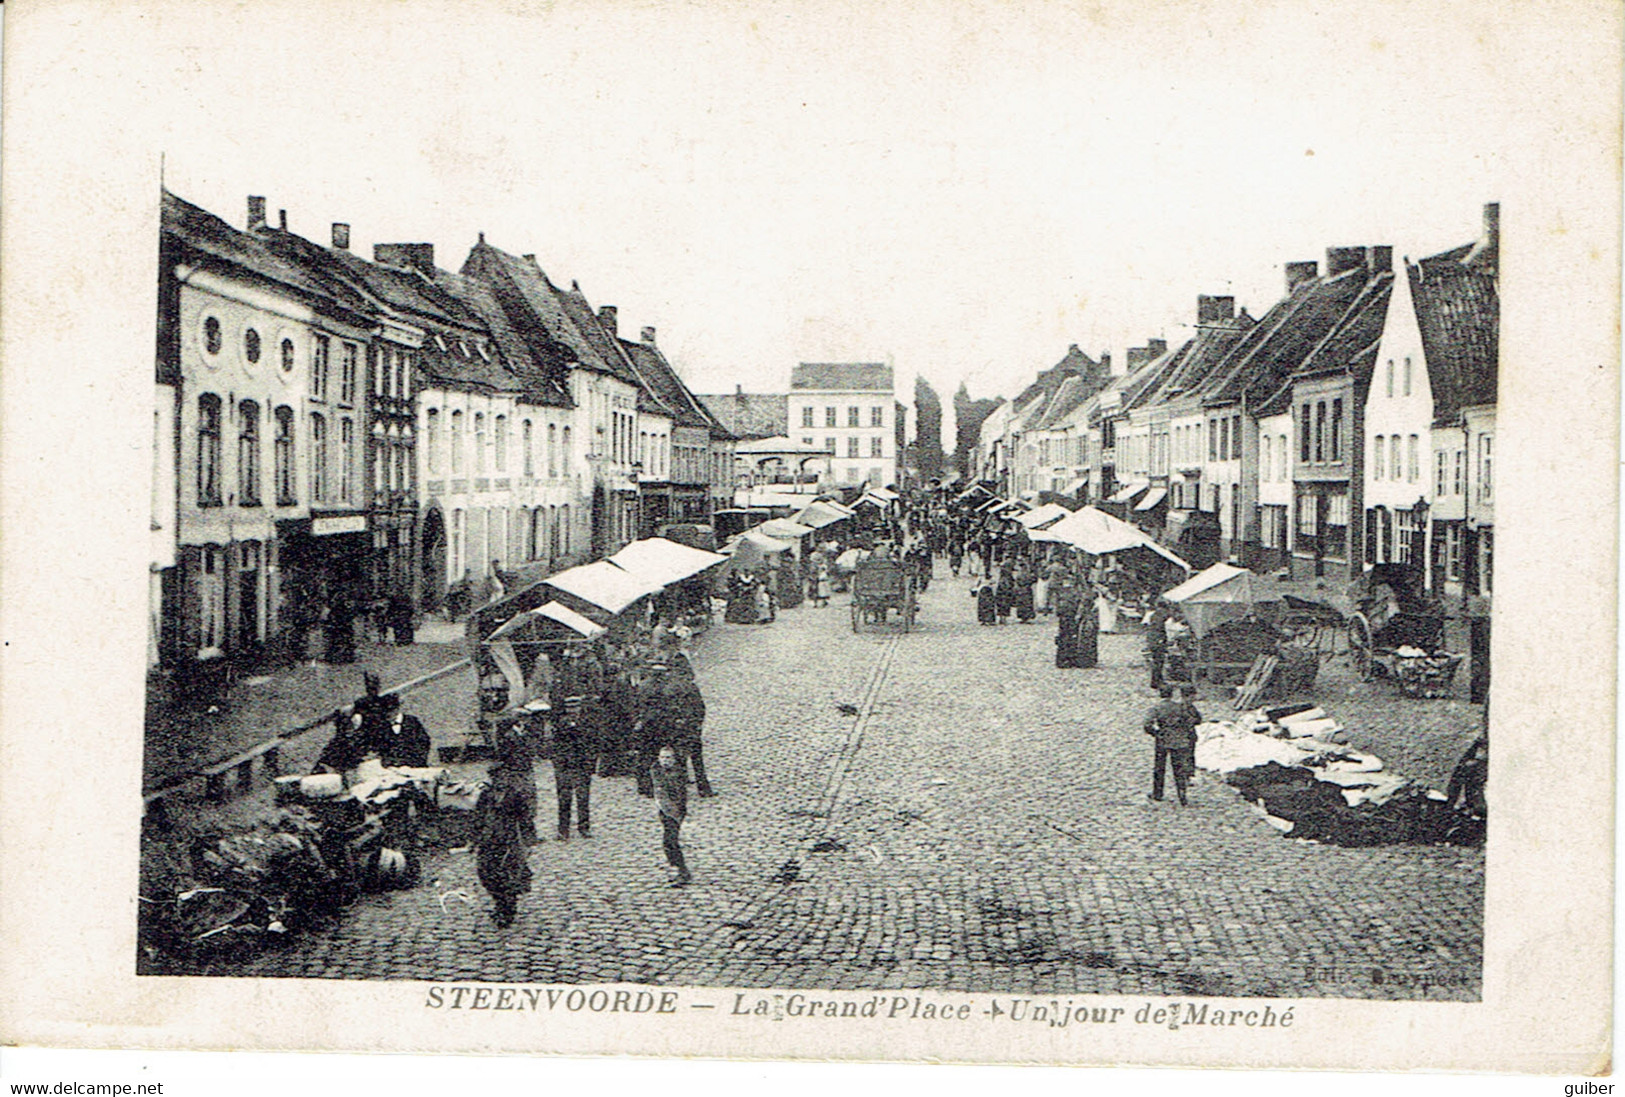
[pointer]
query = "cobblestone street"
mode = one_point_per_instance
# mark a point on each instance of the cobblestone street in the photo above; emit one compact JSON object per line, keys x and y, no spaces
{"x":980,"y":824}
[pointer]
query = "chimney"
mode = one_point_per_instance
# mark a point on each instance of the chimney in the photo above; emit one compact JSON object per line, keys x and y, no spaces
{"x":530,"y":257}
{"x":1382,"y":258}
{"x":1492,"y":223}
{"x":1299,"y":273}
{"x":1106,"y":362}
{"x":1213,"y":310}
{"x":648,"y":336}
{"x":418,"y":257}
{"x":1339,"y":260}
{"x":739,"y":391}
{"x":1486,"y":252}
{"x":341,"y":236}
{"x":607,"y":316}
{"x":282,"y":219}
{"x":1137,"y":357}
{"x":256,"y":212}
{"x":1156,"y":348}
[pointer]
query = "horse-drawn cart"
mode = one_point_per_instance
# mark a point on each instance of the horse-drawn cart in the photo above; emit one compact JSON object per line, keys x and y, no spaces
{"x":1398,"y":633}
{"x":881,"y":584}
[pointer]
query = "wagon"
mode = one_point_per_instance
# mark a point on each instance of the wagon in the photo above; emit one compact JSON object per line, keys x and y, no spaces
{"x":879,"y":585}
{"x":1397,"y":633}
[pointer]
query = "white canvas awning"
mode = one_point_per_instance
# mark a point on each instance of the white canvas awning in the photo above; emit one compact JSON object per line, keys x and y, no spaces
{"x":1220,"y":593}
{"x":661,"y":562}
{"x":552,"y":611}
{"x":885,"y":495}
{"x":1100,"y":534}
{"x":785,"y":529}
{"x":1129,"y":491}
{"x":603,"y":585}
{"x":1040,"y":517}
{"x":1152,"y":498}
{"x":822,"y":513}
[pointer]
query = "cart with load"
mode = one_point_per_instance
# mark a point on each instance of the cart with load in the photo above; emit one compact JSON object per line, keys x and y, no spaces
{"x":1398,"y":633}
{"x":881,"y":584}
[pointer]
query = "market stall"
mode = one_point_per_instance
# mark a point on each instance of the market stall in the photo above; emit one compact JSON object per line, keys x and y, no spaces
{"x":1231,"y":612}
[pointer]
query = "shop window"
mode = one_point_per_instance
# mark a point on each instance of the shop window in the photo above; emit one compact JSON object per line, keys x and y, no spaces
{"x":208,"y":450}
{"x":286,"y":496}
{"x":248,"y":454}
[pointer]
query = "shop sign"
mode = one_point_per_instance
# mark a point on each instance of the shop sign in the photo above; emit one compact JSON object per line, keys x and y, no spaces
{"x":346,"y":523}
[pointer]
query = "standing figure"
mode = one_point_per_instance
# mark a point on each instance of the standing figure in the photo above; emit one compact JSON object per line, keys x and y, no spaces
{"x":1172,"y":723}
{"x":340,"y":630}
{"x":1156,"y":642}
{"x":671,"y":797}
{"x":1005,"y":590}
{"x":1179,"y":667}
{"x":821,"y":580}
{"x":1067,"y":603}
{"x":956,"y":555}
{"x":1088,"y":643}
{"x":671,"y":714}
{"x":987,"y":603}
{"x":399,"y":615}
{"x":504,"y":808}
{"x":1022,"y":578}
{"x":575,"y":756}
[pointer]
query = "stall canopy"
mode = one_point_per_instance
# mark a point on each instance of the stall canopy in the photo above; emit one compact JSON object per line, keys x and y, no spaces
{"x":1129,"y":491}
{"x":1042,"y":517}
{"x":785,"y":529}
{"x":554,"y":621}
{"x":750,"y":550}
{"x":659,"y":561}
{"x":601,"y":587}
{"x":1152,"y":498}
{"x":1221,"y":593}
{"x":821,"y":513}
{"x":1099,"y":534}
{"x":885,"y":495}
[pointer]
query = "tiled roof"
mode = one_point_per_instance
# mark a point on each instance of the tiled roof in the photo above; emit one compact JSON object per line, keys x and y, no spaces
{"x":1204,"y":361}
{"x":1141,"y":386}
{"x":540,"y":372}
{"x":607,"y":347}
{"x":539,"y":311}
{"x":1273,"y":350}
{"x":208,"y":237}
{"x":842,"y":376}
{"x":1458,"y":309}
{"x":406,"y":290}
{"x":750,"y":414}
{"x":664,"y":384}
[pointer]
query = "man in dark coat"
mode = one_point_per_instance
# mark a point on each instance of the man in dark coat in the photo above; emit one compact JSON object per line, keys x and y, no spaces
{"x":1064,"y":597}
{"x":404,"y":741}
{"x":502,"y":812}
{"x":1172,"y":723}
{"x":575,"y":756}
{"x":1156,"y":642}
{"x":671,"y":713}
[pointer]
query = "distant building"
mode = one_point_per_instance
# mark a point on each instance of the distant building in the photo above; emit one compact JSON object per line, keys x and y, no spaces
{"x":848,"y":409}
{"x":749,"y":416}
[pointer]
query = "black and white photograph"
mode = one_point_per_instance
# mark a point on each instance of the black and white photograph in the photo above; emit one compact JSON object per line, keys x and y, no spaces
{"x":767,"y":514}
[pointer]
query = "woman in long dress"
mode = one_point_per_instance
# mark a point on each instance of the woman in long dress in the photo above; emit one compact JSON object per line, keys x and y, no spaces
{"x":1088,"y":642}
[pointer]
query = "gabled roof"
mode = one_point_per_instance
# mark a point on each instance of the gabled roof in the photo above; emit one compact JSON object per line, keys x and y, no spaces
{"x":664,"y":385}
{"x":539,"y":372}
{"x":1274,"y":349}
{"x":1458,"y":310}
{"x":842,"y":376}
{"x":540,"y":313}
{"x":1140,"y":387}
{"x":750,"y":414}
{"x":1204,"y":361}
{"x":607,"y":347}
{"x":404,"y":289}
{"x":208,"y":238}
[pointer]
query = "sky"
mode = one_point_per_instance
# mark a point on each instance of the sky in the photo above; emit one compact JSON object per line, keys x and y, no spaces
{"x":960,"y":189}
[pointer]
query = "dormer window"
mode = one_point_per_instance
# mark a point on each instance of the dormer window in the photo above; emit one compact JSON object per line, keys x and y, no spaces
{"x":462,"y":348}
{"x":484,"y":353}
{"x":440,"y":342}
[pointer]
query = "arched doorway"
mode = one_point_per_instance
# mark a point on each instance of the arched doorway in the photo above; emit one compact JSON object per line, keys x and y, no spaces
{"x":434,"y":560}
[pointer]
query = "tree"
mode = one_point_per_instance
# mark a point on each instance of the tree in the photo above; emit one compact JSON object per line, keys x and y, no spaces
{"x":927,"y":447}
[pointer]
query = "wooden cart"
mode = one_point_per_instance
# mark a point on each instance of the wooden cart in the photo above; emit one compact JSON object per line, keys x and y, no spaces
{"x":879,"y":586}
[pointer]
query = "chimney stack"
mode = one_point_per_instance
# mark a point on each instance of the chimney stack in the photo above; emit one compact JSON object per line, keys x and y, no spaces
{"x":256,"y":212}
{"x":1299,"y":273}
{"x":1157,"y":347}
{"x":1492,"y":223}
{"x":1339,"y":260}
{"x":1213,"y":310}
{"x":1106,"y":362}
{"x":607,"y":317}
{"x":341,"y":236}
{"x":1486,"y":252}
{"x":1382,"y":258}
{"x":418,"y":257}
{"x":282,"y":219}
{"x":648,"y":336}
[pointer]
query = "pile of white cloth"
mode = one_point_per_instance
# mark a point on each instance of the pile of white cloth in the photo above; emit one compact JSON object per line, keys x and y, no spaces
{"x":1308,"y":739}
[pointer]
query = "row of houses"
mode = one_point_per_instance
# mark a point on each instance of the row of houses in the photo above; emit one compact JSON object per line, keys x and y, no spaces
{"x":1352,"y":424}
{"x":333,"y":432}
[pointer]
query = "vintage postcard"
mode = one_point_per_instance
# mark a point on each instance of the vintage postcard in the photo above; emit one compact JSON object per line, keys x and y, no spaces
{"x":933,"y":531}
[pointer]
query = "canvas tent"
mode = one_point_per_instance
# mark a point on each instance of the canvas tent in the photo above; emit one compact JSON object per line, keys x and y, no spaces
{"x":659,"y":561}
{"x":1100,"y":534}
{"x":821,"y":513}
{"x":785,"y":529}
{"x":1042,"y":517}
{"x":1220,"y":593}
{"x":751,"y":549}
{"x":600,"y":590}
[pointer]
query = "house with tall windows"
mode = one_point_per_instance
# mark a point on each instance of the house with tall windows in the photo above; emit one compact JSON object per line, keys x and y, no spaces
{"x":265,"y":365}
{"x":849,"y":408}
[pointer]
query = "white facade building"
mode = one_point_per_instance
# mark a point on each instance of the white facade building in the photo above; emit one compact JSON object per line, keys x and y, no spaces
{"x":848,"y":410}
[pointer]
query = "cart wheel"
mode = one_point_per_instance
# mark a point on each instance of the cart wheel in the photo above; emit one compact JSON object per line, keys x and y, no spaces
{"x":854,"y":617}
{"x":1360,"y":645}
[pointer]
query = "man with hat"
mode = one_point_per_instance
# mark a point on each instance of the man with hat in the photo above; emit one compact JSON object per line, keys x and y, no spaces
{"x":671,"y":713}
{"x":575,"y":757}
